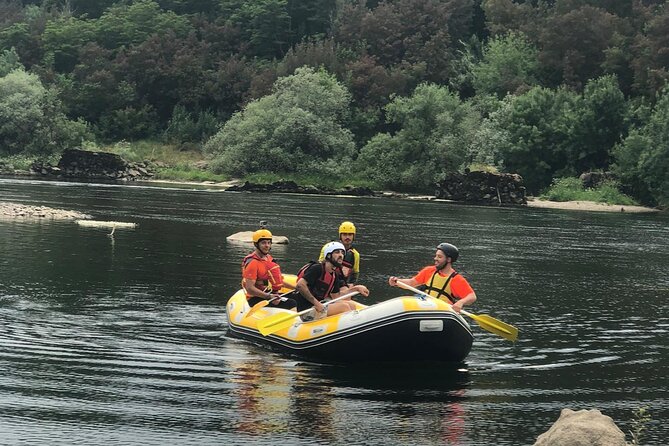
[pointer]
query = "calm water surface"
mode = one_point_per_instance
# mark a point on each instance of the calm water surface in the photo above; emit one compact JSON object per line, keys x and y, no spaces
{"x":122,"y":340}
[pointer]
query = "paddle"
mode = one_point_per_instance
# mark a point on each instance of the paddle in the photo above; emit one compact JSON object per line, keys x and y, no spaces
{"x":276,"y":322}
{"x":486,"y":322}
{"x":264,"y":303}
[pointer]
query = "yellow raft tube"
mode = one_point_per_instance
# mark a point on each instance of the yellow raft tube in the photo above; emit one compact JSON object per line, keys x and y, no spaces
{"x":407,"y":328}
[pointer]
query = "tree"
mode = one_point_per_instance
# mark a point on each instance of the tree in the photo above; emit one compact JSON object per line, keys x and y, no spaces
{"x":509,"y":64}
{"x":537,"y":129}
{"x":602,"y":123}
{"x":434,"y":132}
{"x":9,"y":61}
{"x":642,"y":160}
{"x":574,"y":43}
{"x":297,"y":128}
{"x":404,"y":32}
{"x":31,"y":119}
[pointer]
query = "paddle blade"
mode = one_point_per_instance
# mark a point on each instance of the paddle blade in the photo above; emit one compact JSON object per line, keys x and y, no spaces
{"x":275,"y":323}
{"x":256,"y":307}
{"x":495,"y":326}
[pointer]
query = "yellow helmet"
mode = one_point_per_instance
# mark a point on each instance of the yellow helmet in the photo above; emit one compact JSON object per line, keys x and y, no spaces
{"x":261,"y":234}
{"x":346,"y":228}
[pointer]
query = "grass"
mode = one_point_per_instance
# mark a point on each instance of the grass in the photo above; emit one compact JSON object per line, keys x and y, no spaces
{"x":11,"y":163}
{"x":640,"y":421}
{"x":571,"y":189}
{"x":173,"y":163}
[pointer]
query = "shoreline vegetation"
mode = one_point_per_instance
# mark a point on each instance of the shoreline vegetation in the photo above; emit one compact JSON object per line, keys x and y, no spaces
{"x":171,"y":165}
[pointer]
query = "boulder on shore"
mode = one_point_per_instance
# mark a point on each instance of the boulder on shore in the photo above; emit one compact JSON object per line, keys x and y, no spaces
{"x":582,"y":428}
{"x":75,"y":163}
{"x":482,"y":188}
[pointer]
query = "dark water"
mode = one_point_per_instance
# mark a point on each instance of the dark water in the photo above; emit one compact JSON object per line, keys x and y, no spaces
{"x":122,"y":340}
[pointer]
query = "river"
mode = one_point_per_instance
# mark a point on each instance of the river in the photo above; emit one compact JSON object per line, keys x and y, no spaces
{"x":122,"y":339}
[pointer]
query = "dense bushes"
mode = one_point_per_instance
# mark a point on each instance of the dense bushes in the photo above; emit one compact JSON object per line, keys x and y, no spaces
{"x":297,"y":128}
{"x":409,"y":89}
{"x":31,"y":119}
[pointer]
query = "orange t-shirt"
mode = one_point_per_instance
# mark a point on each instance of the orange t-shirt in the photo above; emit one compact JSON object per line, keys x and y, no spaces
{"x":256,"y":269}
{"x":459,"y":285}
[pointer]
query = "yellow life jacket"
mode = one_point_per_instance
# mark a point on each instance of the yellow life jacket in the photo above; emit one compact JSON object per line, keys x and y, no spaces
{"x":440,"y":287}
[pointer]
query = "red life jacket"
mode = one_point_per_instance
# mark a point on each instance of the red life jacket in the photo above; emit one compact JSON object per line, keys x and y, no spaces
{"x":325,"y":283}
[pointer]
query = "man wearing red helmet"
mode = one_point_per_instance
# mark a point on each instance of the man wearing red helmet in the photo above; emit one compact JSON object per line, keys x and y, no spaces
{"x":441,"y":280}
{"x":261,"y":276}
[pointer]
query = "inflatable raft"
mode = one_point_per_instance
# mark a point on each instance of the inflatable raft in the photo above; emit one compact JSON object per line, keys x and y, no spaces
{"x":405,"y":328}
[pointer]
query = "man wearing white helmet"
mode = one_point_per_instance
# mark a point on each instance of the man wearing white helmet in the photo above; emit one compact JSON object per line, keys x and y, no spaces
{"x":350,"y":267}
{"x":322,"y":280}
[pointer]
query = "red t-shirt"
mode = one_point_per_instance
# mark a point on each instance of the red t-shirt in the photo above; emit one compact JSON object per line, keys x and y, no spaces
{"x":459,"y":285}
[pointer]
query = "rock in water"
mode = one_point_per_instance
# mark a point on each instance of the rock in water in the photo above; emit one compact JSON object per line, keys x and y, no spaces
{"x":582,"y":428}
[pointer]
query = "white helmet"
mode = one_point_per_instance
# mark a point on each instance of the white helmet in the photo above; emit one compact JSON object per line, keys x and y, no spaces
{"x":332,"y":246}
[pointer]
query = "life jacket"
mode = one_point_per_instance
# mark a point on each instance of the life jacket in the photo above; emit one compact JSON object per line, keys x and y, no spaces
{"x":440,"y":287}
{"x":352,"y":262}
{"x":325,"y":283}
{"x":271,"y":279}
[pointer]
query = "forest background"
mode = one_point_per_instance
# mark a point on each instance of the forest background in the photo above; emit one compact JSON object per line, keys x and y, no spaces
{"x":389,"y":94}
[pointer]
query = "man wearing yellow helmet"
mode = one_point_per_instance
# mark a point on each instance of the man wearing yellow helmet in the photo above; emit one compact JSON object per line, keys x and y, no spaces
{"x":350,"y":267}
{"x":261,"y":276}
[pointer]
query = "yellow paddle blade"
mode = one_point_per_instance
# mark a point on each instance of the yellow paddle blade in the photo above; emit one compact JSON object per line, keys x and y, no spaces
{"x":256,"y":307}
{"x":495,"y":326}
{"x":275,"y":322}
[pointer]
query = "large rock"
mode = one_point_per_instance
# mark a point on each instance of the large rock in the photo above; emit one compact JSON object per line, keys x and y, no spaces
{"x":582,"y":428}
{"x":482,"y":188}
{"x":76,"y":163}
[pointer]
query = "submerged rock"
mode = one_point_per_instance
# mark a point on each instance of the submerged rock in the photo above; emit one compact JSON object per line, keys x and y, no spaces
{"x":582,"y":428}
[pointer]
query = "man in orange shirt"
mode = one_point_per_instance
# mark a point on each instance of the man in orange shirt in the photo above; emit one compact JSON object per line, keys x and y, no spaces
{"x":261,"y":277}
{"x":441,"y":280}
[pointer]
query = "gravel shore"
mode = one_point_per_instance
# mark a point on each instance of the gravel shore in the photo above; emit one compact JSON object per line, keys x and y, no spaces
{"x":25,"y":211}
{"x":587,"y":206}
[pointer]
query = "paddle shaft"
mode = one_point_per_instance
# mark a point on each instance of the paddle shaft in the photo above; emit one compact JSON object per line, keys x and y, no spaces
{"x":264,"y":303}
{"x":276,"y":322}
{"x":485,"y":321}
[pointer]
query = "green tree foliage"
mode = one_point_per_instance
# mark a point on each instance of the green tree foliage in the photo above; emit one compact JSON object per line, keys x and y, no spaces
{"x":509,"y":64}
{"x":574,"y":43}
{"x":434,"y":131}
{"x":537,"y":126}
{"x":9,"y":61}
{"x":601,"y":124}
{"x":22,"y":30}
{"x":407,"y":32}
{"x":651,"y":51}
{"x":553,"y":133}
{"x":272,"y":27}
{"x":298,"y":128}
{"x":30,"y":117}
{"x":642,"y":160}
{"x":119,"y":26}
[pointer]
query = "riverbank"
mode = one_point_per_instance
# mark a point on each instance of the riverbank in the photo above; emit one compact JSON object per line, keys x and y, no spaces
{"x":14,"y":210}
